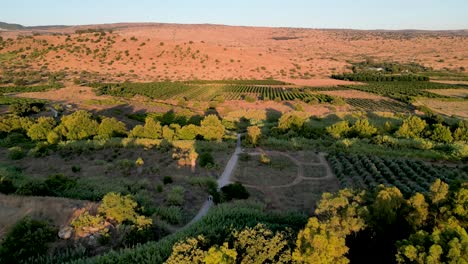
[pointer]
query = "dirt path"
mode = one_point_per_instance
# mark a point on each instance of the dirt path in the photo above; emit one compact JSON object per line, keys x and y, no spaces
{"x":222,"y":181}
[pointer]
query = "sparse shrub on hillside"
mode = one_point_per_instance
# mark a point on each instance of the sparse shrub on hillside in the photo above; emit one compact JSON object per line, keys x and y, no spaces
{"x":412,"y":127}
{"x":111,"y":127}
{"x":442,"y":134}
{"x":338,"y":130}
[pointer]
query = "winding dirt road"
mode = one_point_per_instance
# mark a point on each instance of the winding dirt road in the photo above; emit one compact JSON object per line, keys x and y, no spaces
{"x":222,"y":181}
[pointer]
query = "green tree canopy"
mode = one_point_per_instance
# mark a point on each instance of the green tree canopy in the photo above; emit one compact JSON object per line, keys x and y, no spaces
{"x":412,"y":127}
{"x":78,"y":125}
{"x":212,"y":128}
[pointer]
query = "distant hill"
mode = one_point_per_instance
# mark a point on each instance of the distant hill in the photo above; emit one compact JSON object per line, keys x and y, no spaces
{"x":8,"y":26}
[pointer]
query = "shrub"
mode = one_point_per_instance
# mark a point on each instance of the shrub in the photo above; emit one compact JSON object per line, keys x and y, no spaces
{"x":33,"y":188}
{"x":58,"y":183}
{"x":249,"y":99}
{"x":16,"y":153}
{"x":206,"y":160}
{"x":212,"y":128}
{"x":172,"y":214}
{"x":119,"y":208}
{"x":6,"y":185}
{"x":27,"y":239}
{"x":111,"y":127}
{"x":76,"y":168}
{"x":86,"y":221}
{"x":264,"y":159}
{"x":244,"y":157}
{"x":176,"y":196}
{"x":441,"y":134}
{"x":41,"y":129}
{"x":338,"y":130}
{"x":412,"y":127}
{"x":253,"y":133}
{"x":234,"y":191}
{"x":78,"y":125}
{"x":363,"y":129}
{"x":167,"y":180}
{"x":142,"y":235}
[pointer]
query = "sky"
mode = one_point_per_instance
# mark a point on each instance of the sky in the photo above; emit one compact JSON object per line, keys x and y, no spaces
{"x":355,"y":14}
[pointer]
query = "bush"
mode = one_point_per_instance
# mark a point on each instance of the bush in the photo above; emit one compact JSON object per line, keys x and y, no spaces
{"x":28,"y":238}
{"x":171,"y":214}
{"x":167,"y":180}
{"x":76,"y":168}
{"x":142,"y":235}
{"x":264,"y":159}
{"x":176,"y":196}
{"x":6,"y":185}
{"x":249,"y":99}
{"x":33,"y":188}
{"x":206,"y":160}
{"x":16,"y":153}
{"x":58,"y":183}
{"x":234,"y":191}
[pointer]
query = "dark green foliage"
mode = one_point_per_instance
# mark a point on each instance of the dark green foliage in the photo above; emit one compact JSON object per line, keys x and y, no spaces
{"x":58,"y":183}
{"x":167,"y":180}
{"x":6,"y":185}
{"x":143,"y":235}
{"x":28,"y":238}
{"x":206,"y":160}
{"x":378,"y":77}
{"x":34,"y":188}
{"x":76,"y":168}
{"x":16,"y":153}
{"x":234,"y":191}
{"x":25,"y":108}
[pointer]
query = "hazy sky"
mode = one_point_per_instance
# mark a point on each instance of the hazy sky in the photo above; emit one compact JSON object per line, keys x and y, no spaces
{"x":359,"y":14}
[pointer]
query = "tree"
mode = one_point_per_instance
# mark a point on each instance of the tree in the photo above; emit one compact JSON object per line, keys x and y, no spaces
{"x":234,"y":191}
{"x":189,"y":251}
{"x":446,"y":244}
{"x":254,"y":133}
{"x":419,"y":211}
{"x":111,"y":127}
{"x":442,"y":134}
{"x":316,"y":243}
{"x":461,"y":133}
{"x":41,"y":129}
{"x":151,"y":129}
{"x":121,"y":208}
{"x":168,"y":133}
{"x":188,"y":132}
{"x":259,"y":245}
{"x":290,"y":121}
{"x":439,"y":191}
{"x":212,"y":128}
{"x":363,"y":129}
{"x":78,"y":125}
{"x":412,"y":127}
{"x":338,"y":130}
{"x":220,"y":255}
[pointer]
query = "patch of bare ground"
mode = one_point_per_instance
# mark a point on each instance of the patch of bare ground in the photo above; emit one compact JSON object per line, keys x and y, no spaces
{"x":293,"y":181}
{"x":450,"y":82}
{"x":448,"y":108}
{"x":60,"y":211}
{"x":460,"y":93}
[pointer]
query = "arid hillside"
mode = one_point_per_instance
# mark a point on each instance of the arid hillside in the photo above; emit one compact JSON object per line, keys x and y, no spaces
{"x":149,"y":52}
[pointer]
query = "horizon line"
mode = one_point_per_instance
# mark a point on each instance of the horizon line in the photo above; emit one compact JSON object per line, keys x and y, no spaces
{"x":232,"y":25}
